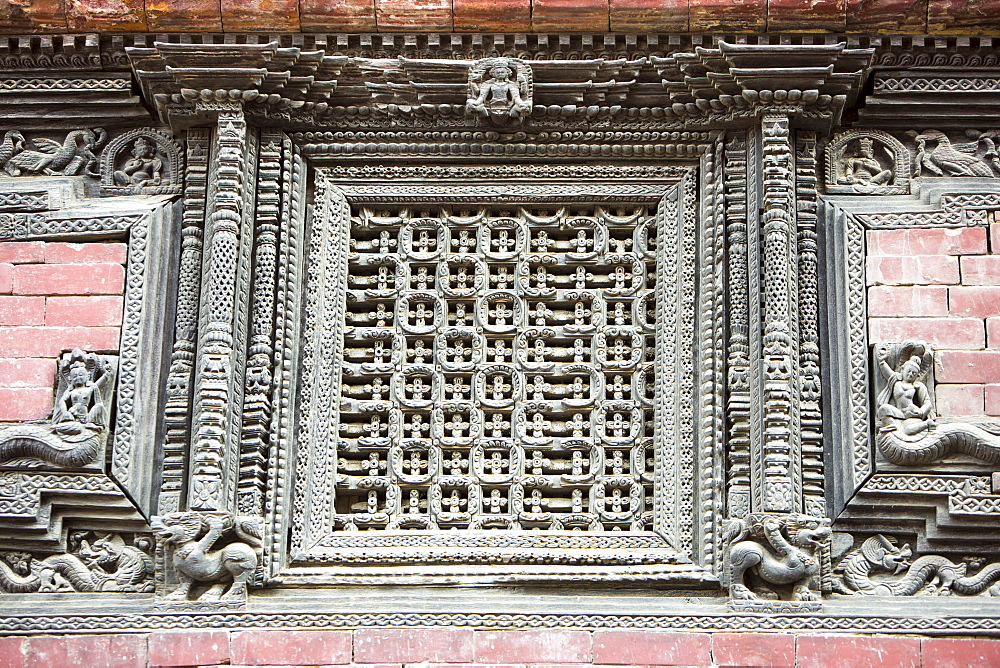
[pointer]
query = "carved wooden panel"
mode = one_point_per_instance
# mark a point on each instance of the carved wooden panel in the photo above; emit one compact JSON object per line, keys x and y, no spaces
{"x":483,"y":378}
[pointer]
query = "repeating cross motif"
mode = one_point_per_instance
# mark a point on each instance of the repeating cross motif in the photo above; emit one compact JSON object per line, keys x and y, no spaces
{"x":519,"y":296}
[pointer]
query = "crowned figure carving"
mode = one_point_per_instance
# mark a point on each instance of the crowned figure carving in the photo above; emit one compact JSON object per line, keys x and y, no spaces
{"x":500,"y":90}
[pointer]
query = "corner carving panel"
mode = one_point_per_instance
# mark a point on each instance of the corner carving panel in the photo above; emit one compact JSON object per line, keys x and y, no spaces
{"x":497,"y":381}
{"x":920,"y":444}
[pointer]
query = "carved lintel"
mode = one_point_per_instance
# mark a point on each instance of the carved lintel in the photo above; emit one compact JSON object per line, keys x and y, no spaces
{"x":75,"y":435}
{"x":774,"y":560}
{"x":220,"y":551}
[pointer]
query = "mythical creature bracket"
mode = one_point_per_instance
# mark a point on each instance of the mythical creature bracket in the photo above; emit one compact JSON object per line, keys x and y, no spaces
{"x":217,"y":550}
{"x":776,"y":562}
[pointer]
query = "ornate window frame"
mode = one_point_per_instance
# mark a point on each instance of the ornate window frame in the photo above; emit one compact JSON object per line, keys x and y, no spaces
{"x":688,"y":299}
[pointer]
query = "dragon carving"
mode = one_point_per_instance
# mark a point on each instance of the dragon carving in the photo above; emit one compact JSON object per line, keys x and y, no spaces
{"x":109,"y":564}
{"x":782,"y":551}
{"x":191,"y":537}
{"x":881,"y":567}
{"x":909,"y":432}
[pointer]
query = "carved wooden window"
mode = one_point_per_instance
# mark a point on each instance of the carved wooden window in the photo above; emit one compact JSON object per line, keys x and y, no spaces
{"x":499,"y":374}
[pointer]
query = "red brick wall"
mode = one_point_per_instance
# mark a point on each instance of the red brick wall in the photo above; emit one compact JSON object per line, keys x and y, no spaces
{"x":454,"y":648}
{"x":54,"y":296}
{"x":942,"y":286}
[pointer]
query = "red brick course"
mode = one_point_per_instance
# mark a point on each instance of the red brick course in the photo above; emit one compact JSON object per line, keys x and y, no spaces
{"x":533,"y":647}
{"x":300,"y":648}
{"x":933,"y":241}
{"x":408,"y":646}
{"x":967,"y":366}
{"x":188,"y":648}
{"x":960,"y":333}
{"x":857,"y":652}
{"x":611,"y":649}
{"x":913,"y":270}
{"x":653,"y":647}
{"x":907,"y":301}
{"x":960,"y":400}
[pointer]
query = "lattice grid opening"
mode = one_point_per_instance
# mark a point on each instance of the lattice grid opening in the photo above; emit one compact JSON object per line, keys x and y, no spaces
{"x":498,"y":369}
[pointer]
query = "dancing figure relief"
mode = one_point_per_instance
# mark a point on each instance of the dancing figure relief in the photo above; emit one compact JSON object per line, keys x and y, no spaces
{"x":909,"y":432}
{"x":78,"y":429}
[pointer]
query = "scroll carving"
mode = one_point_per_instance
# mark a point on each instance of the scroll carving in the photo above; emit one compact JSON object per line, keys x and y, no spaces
{"x":909,"y":433}
{"x":78,"y":429}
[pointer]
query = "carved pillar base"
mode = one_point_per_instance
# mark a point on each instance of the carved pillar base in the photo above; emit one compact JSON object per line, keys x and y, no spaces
{"x":776,"y":563}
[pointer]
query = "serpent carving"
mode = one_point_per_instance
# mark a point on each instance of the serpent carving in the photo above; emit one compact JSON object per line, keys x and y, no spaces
{"x":909,"y":432}
{"x":879,"y":555}
{"x":77,"y":431}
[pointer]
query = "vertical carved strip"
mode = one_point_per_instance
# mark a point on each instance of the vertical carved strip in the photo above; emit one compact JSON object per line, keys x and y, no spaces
{"x":287,"y":328}
{"x":738,"y":400}
{"x":710,"y":345}
{"x":257,"y":384}
{"x":177,"y":411}
{"x":214,"y":391}
{"x":779,"y":438}
{"x":811,"y":417}
{"x":687,"y":278}
{"x":665,"y":433}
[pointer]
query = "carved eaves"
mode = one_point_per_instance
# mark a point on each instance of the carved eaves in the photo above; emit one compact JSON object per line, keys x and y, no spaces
{"x":738,"y":81}
{"x":176,"y":76}
{"x":950,"y":98}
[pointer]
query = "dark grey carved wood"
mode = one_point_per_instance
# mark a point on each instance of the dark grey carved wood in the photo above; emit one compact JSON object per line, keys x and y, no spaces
{"x":597,"y":300}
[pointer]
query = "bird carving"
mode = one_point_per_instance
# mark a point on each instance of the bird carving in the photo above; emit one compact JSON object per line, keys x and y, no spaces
{"x":938,"y":155}
{"x":50,"y":157}
{"x":13,"y":142}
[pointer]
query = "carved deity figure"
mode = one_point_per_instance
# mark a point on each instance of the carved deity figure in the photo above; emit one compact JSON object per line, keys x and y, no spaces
{"x":864,"y":168}
{"x":496,"y":96}
{"x":80,"y":406}
{"x":144,"y":168}
{"x":78,"y":429}
{"x":909,"y":432}
{"x":905,"y":403}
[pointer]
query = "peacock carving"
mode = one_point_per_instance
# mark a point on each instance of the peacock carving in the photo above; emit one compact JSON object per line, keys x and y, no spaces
{"x":76,"y":154}
{"x":940,"y":157}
